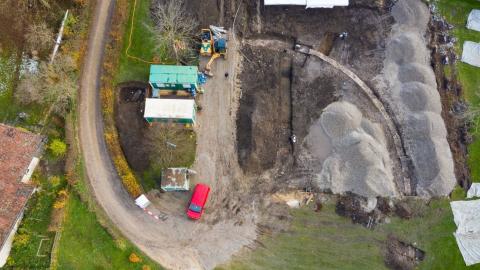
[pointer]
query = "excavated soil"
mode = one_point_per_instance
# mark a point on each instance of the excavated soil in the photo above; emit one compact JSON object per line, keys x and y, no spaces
{"x":131,"y":127}
{"x":284,"y":93}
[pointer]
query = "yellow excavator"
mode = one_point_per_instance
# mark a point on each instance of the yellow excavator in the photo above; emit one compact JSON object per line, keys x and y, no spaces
{"x":207,"y":42}
{"x":219,"y":49}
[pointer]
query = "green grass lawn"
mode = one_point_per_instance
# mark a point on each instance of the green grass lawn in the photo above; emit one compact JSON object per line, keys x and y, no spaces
{"x":142,"y":45}
{"x":456,"y":12}
{"x":325,"y":240}
{"x":85,"y":244}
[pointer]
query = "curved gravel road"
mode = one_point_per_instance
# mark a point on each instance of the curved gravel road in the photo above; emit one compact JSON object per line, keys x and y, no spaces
{"x":175,"y":243}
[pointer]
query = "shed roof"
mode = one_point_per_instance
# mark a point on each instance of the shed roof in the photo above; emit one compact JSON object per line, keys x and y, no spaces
{"x":17,"y":149}
{"x":173,"y":74}
{"x":175,"y":179}
{"x":169,"y":108}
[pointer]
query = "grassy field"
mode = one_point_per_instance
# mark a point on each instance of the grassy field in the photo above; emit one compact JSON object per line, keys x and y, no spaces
{"x":142,"y":45}
{"x":327,"y":241}
{"x":85,"y":244}
{"x":456,"y":12}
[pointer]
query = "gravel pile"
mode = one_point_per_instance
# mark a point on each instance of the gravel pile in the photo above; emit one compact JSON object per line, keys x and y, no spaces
{"x":410,"y":84}
{"x":358,"y":160}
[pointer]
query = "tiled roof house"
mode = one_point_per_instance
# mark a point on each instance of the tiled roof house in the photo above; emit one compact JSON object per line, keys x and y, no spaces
{"x":19,"y":155}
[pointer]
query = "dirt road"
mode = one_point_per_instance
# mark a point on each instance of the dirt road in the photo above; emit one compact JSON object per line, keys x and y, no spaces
{"x":176,"y":243}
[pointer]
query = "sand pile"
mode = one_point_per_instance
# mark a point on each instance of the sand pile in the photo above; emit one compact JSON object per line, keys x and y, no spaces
{"x":410,"y":84}
{"x":357,"y":159}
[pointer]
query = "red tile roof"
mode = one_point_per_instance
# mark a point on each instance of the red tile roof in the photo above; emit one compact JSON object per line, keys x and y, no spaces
{"x":17,"y":148}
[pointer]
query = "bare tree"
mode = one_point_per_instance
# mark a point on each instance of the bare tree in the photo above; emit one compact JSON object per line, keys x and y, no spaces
{"x":39,"y":37}
{"x":170,"y":145}
{"x":173,"y":30}
{"x":52,"y":85}
{"x":28,"y":89}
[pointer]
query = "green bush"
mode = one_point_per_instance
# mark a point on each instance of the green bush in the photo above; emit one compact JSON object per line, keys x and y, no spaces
{"x":58,"y":148}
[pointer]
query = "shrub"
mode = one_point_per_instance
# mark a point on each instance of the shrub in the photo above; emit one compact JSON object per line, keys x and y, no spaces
{"x":21,"y":239}
{"x":57,"y":147}
{"x":134,"y":258}
{"x":55,"y":181}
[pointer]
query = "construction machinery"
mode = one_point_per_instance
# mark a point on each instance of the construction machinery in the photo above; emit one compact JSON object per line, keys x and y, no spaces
{"x":206,"y":48}
{"x":219,"y":48}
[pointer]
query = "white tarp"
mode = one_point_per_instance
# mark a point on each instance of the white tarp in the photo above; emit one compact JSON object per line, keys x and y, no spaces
{"x":326,"y":3}
{"x":474,"y":190}
{"x":142,"y":201}
{"x":308,"y":3}
{"x":473,"y":21}
{"x":169,"y":108}
{"x":285,"y":2}
{"x":466,"y":215}
{"x":471,"y":53}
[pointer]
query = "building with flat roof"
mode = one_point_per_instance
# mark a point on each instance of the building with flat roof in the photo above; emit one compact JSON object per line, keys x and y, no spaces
{"x":170,"y":110}
{"x":173,"y":78}
{"x":19,"y":155}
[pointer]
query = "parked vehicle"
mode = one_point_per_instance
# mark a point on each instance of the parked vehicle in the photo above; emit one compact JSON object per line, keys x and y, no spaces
{"x":197,"y":202}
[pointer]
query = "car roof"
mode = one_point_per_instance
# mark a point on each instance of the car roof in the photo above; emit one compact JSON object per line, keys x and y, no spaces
{"x":200,"y":193}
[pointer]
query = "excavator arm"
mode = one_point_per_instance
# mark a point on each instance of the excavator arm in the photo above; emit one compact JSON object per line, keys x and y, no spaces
{"x":210,"y":62}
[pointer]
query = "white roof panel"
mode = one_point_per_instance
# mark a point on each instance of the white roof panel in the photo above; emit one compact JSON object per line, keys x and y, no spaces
{"x":285,"y":2}
{"x":169,"y":108}
{"x":471,"y":53}
{"x":326,"y":3}
{"x":473,"y":21}
{"x":309,"y":3}
{"x":466,"y":215}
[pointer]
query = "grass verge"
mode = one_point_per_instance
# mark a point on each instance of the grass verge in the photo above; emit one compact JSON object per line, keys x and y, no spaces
{"x":85,"y":244}
{"x":456,"y":12}
{"x":325,"y":240}
{"x":142,"y":45}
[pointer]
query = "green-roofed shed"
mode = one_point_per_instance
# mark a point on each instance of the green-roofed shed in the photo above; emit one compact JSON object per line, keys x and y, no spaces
{"x":169,"y":77}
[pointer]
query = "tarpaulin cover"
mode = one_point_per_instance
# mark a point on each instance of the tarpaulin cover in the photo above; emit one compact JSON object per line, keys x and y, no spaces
{"x":473,"y":21}
{"x":474,"y":190}
{"x":466,"y":215}
{"x":471,"y":53}
{"x":309,"y":3}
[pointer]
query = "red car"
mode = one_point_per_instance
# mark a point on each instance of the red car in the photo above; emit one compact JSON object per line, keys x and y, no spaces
{"x":198,"y":200}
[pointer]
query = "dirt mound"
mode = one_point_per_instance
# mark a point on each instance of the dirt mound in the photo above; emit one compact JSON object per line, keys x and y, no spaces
{"x":411,"y":82}
{"x":415,"y":72}
{"x":367,"y":212}
{"x":420,"y":97}
{"x":358,"y":162}
{"x":402,"y":256}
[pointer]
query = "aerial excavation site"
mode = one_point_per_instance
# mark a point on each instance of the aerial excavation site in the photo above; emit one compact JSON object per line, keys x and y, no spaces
{"x":241,"y":134}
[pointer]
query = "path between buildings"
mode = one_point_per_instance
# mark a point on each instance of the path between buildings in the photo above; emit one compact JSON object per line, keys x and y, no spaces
{"x":176,"y":243}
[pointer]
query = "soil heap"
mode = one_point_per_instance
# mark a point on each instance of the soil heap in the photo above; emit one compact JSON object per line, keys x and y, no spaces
{"x":409,"y":84}
{"x":358,"y":160}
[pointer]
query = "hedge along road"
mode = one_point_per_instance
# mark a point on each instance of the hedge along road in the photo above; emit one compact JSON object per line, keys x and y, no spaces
{"x":176,"y":243}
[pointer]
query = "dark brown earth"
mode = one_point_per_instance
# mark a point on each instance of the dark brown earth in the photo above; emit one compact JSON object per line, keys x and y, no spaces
{"x":453,"y":103}
{"x":402,"y":256}
{"x":130,"y":124}
{"x":283,"y":92}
